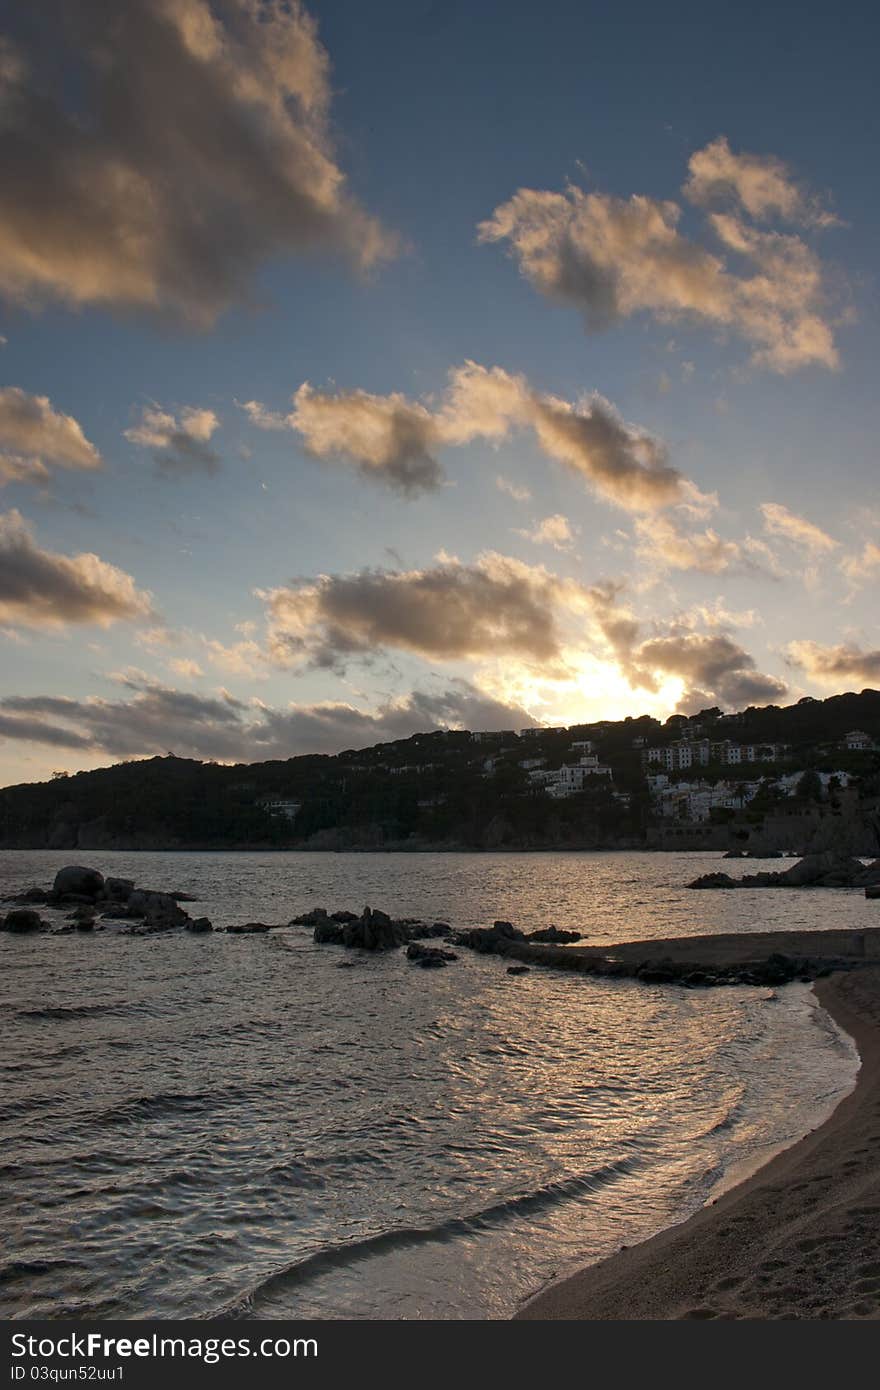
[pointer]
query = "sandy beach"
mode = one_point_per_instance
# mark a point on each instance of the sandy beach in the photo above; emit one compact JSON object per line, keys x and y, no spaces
{"x":799,"y":1239}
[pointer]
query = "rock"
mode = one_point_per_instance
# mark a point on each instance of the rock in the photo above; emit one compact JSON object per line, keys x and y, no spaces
{"x":518,"y":970}
{"x":553,"y":934}
{"x":199,"y":925}
{"x":30,"y":895}
{"x":872,"y":890}
{"x":815,"y":868}
{"x":375,"y":917}
{"x":493,"y":940}
{"x":344,"y":916}
{"x":713,"y":880}
{"x":159,"y":909}
{"x":118,"y":890}
{"x":85,"y":924}
{"x":421,"y":931}
{"x":247,"y":928}
{"x":82,"y":914}
{"x":328,"y":933}
{"x":76,"y":879}
{"x":315,"y":917}
{"x":23,"y":919}
{"x":429,"y":955}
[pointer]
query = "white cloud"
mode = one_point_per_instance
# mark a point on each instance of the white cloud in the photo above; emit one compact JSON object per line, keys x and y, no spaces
{"x":779,"y":521}
{"x":179,"y":444}
{"x":553,"y":530}
{"x":612,"y":258}
{"x":34,"y":436}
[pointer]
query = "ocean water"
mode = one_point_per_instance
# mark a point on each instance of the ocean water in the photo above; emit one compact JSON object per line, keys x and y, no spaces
{"x":260,"y":1127}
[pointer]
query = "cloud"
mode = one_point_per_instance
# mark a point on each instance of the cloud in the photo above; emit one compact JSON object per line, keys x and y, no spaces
{"x":838,"y":666}
{"x":156,"y":719}
{"x":714,"y":669}
{"x":41,"y":589}
{"x":761,"y":184}
{"x":612,"y":258}
{"x":663,"y":542}
{"x":779,"y":521}
{"x":388,"y":438}
{"x":34,"y":435}
{"x":448,"y":612}
{"x":179,"y":444}
{"x":514,"y":490}
{"x":186,"y":667}
{"x":864,"y":566}
{"x":190,"y":145}
{"x":395,"y":440}
{"x":553,"y":530}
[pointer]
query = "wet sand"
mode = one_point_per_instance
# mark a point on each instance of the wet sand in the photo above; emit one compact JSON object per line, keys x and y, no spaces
{"x":798,"y":1239}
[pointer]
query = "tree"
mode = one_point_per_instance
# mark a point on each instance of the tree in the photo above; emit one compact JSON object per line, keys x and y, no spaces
{"x":809,"y":787}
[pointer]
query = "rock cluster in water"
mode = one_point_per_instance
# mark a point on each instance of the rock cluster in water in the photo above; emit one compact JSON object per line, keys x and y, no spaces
{"x":95,"y":899}
{"x":373,"y":930}
{"x":827,"y":870}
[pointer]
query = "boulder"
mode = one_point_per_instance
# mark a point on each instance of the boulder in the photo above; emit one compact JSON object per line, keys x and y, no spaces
{"x":518,"y":969}
{"x":85,"y":924}
{"x":872,"y":890}
{"x":76,"y":879}
{"x":343,"y":916}
{"x":22,"y":919}
{"x":199,"y":925}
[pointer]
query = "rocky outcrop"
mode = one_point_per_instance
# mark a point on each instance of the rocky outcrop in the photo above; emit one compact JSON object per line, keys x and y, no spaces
{"x":830,"y":869}
{"x":248,"y":928}
{"x":373,"y":930}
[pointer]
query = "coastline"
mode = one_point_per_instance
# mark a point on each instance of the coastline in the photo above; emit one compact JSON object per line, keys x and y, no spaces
{"x":799,"y":1238}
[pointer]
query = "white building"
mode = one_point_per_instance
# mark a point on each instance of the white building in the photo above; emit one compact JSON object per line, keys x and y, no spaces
{"x":858,"y":742}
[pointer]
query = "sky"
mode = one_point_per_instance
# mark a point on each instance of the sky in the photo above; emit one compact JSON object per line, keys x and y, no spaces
{"x":367,"y":369}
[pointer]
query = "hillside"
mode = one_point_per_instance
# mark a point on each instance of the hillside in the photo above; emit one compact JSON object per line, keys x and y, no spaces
{"x":451,"y":789}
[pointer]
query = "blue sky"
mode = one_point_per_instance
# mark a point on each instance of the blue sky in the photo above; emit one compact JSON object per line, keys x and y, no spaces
{"x":401,"y":128}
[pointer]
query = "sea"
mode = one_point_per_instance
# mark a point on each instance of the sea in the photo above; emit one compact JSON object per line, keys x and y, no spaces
{"x":254,"y":1126}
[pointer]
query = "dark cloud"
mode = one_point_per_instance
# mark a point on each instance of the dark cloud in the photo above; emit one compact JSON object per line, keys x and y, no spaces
{"x":39,"y":588}
{"x":451,"y":611}
{"x":715,"y":670}
{"x":193,"y":146}
{"x":156,"y":719}
{"x":394,"y":440}
{"x":839,"y":666}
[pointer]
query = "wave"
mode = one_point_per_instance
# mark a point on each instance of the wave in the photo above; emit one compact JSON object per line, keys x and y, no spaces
{"x":402,"y":1238}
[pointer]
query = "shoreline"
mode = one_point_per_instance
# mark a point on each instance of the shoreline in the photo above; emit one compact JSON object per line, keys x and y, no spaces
{"x":798,"y":1238}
